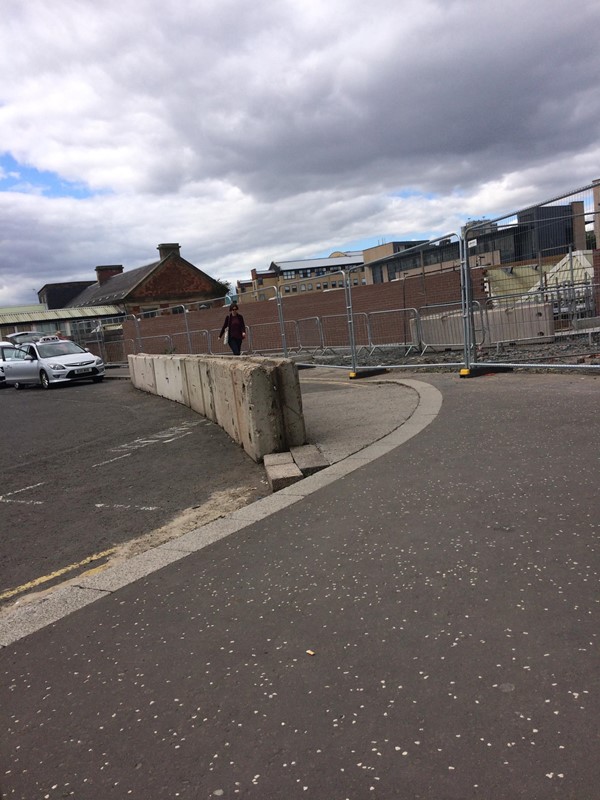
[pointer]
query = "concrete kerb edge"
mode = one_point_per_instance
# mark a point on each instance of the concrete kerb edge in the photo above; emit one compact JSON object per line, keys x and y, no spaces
{"x":21,"y":621}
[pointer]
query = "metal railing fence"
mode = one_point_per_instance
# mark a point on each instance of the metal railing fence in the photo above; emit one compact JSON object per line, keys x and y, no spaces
{"x":523,"y":289}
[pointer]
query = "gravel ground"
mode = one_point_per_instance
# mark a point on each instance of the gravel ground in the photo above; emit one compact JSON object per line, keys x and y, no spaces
{"x":578,"y":350}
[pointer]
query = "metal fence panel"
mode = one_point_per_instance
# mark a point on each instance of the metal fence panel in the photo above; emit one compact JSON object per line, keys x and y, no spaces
{"x":266,"y":337}
{"x":310,"y":334}
{"x":536,"y":273}
{"x":442,"y":327}
{"x":336,"y":333}
{"x":392,"y":328}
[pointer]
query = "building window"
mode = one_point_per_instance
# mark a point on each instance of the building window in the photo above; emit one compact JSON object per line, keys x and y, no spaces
{"x":294,"y":288}
{"x":325,"y":285}
{"x":310,"y":287}
{"x":318,"y":285}
{"x":302,"y":287}
{"x":286,"y":289}
{"x":333,"y":284}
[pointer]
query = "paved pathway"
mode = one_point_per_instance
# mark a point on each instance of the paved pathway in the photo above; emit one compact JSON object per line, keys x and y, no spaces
{"x":423,"y":626}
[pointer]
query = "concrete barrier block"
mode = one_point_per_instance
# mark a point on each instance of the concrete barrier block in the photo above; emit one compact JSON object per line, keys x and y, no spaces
{"x":207,"y":388}
{"x":264,"y":422}
{"x":141,"y":371}
{"x":257,"y":401}
{"x":225,"y":402}
{"x":170,"y":378}
{"x":197,"y":388}
{"x":521,"y":322}
{"x":286,"y":385}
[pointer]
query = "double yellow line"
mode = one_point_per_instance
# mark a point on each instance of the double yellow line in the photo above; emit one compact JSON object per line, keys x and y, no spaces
{"x":46,"y":578}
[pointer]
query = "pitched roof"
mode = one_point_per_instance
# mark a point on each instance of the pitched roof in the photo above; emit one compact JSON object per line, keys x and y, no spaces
{"x":15,"y":316}
{"x":115,"y":289}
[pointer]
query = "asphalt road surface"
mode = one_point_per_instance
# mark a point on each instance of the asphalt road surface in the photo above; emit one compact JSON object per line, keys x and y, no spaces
{"x":92,"y":470}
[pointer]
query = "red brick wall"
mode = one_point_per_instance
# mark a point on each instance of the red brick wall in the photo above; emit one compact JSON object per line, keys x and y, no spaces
{"x":413,"y":292}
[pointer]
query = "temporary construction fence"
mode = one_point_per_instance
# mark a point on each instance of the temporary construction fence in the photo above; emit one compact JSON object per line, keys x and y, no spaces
{"x":518,"y":291}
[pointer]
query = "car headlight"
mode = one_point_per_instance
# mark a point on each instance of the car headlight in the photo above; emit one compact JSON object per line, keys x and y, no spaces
{"x":99,"y":362}
{"x":56,"y":367}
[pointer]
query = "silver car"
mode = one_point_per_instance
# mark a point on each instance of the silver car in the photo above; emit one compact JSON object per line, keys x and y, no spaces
{"x":52,"y":360}
{"x":7,"y":353}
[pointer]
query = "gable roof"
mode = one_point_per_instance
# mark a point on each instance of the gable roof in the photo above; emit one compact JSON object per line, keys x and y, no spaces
{"x":115,"y":289}
{"x":16,"y":316}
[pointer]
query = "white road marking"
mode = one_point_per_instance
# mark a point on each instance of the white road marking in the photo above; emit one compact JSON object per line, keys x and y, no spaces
{"x":6,"y":498}
{"x":121,"y":506}
{"x":169,"y":435}
{"x":21,"y":502}
{"x":174,"y":439}
{"x":25,"y":488}
{"x":110,"y":460}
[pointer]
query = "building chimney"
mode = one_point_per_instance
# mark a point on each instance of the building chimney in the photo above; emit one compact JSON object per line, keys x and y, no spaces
{"x":108,"y":271}
{"x":168,"y":249}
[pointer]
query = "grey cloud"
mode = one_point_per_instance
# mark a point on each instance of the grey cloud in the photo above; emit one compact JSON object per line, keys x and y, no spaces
{"x":241,"y":129}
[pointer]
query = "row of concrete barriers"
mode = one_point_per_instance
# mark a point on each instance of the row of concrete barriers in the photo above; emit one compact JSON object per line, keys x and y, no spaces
{"x":256,"y":400}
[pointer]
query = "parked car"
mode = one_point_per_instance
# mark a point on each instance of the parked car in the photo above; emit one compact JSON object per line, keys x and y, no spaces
{"x":7,"y":353}
{"x":52,"y":360}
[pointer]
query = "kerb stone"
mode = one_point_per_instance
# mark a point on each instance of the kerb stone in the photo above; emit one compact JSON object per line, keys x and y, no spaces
{"x":282,"y":475}
{"x":309,"y":459}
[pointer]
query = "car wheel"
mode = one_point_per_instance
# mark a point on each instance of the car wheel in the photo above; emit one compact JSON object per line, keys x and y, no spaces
{"x":98,"y":380}
{"x":44,"y":380}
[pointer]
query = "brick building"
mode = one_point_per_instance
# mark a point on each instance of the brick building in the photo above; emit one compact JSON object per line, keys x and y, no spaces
{"x":167,"y":282}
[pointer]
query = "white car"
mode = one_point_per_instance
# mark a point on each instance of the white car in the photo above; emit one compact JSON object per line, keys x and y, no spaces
{"x":7,"y":353}
{"x":52,"y":360}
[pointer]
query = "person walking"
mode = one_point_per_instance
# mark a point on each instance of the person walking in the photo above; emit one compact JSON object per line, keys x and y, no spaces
{"x":236,"y":329}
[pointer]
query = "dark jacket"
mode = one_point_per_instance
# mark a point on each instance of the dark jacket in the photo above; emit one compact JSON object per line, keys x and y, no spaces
{"x":236,"y":325}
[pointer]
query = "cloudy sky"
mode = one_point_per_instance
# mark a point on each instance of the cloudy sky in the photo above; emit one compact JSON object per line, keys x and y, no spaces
{"x":279,"y":129}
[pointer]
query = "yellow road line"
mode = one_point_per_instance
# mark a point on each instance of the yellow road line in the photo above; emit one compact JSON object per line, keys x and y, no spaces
{"x":45,"y":578}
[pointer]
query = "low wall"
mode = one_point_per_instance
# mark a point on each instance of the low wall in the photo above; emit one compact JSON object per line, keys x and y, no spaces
{"x":257,"y":401}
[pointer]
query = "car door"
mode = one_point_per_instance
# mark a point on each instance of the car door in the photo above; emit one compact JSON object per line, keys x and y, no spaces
{"x":7,"y":354}
{"x":19,"y":369}
{"x":30,"y":365}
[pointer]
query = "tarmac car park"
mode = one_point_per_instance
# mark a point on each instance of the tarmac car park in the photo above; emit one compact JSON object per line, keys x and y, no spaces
{"x":50,"y":361}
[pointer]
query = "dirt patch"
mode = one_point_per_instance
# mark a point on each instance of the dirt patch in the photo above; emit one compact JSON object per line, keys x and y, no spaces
{"x":217,"y":505}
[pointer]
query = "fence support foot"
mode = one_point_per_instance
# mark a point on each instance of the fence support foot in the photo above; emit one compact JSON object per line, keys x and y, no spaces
{"x":476,"y":372}
{"x":365,"y":373}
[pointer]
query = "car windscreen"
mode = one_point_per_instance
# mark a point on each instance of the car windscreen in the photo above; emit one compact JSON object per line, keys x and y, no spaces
{"x":59,"y":349}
